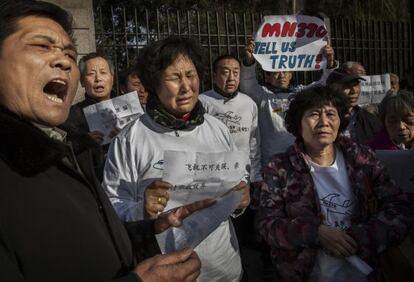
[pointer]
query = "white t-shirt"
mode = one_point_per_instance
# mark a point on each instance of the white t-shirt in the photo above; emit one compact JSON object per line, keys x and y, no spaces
{"x":337,"y":203}
{"x":135,"y":159}
{"x":239,"y":114}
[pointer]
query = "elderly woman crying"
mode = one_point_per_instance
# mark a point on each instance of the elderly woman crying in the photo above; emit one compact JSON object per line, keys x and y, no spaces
{"x":171,"y":70}
{"x":327,"y":198}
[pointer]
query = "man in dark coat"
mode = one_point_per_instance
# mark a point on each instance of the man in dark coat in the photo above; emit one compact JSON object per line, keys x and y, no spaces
{"x":362,"y":125}
{"x":56,"y":223}
{"x":97,"y":77}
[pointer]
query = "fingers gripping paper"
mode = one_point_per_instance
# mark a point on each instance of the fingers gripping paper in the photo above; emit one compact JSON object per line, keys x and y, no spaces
{"x":198,"y":176}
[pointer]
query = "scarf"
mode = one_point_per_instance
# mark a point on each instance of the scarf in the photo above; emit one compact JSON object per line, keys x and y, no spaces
{"x":157,"y":112}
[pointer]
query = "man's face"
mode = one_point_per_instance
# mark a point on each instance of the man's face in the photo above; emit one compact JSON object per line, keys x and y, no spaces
{"x":395,"y":84}
{"x":279,"y":79}
{"x":135,"y":84}
{"x":227,"y":75}
{"x":358,"y":69}
{"x":38,"y":71}
{"x":352,"y":90}
{"x":98,"y":79}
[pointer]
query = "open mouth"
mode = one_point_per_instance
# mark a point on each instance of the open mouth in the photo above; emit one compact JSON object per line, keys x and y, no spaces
{"x":99,"y":88}
{"x":183,"y":101}
{"x":56,"y":90}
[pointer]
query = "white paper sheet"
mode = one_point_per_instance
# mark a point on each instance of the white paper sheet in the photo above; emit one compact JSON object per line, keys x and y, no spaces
{"x":199,"y":225}
{"x":198,"y":176}
{"x":359,"y":264}
{"x":374,"y":88}
{"x":116,"y":112}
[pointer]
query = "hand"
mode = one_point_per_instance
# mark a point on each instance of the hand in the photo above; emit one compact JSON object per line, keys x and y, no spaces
{"x":329,"y":54}
{"x":176,"y":216}
{"x":114,"y":132}
{"x":248,"y":52}
{"x":97,"y":136}
{"x":178,"y":266}
{"x":336,"y":242}
{"x":245,"y":200}
{"x":156,"y":198}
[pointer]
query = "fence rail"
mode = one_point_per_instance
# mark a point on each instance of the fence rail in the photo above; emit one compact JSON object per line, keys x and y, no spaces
{"x":381,"y":46}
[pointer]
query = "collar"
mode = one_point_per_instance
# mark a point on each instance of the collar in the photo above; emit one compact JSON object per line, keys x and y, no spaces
{"x":351,"y":152}
{"x":52,"y":132}
{"x":164,"y":118}
{"x":29,"y":150}
{"x":277,"y":90}
{"x":225,"y":95}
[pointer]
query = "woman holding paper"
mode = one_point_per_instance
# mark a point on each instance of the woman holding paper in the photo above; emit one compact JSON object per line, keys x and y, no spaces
{"x":327,"y":207}
{"x":171,"y":70}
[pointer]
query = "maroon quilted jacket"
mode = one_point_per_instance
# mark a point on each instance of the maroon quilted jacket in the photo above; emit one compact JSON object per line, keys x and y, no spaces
{"x":289,"y":211}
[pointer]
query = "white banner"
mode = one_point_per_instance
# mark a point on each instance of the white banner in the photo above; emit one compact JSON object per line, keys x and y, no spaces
{"x":374,"y":88}
{"x":291,"y":43}
{"x":116,"y":112}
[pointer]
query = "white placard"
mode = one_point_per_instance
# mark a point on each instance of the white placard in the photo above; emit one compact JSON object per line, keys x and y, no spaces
{"x":374,"y":88}
{"x":291,"y":43}
{"x":116,"y":112}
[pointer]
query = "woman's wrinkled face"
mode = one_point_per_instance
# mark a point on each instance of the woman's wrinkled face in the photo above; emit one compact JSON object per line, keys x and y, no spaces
{"x":179,"y":87}
{"x":400,"y":128}
{"x":319,"y":127}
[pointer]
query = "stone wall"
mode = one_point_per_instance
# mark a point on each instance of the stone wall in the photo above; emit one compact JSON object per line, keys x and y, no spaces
{"x":84,"y":29}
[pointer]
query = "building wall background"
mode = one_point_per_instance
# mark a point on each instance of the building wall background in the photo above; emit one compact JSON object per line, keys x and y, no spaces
{"x":84,"y":29}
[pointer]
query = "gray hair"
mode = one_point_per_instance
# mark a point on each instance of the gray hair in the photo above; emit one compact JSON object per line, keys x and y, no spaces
{"x":90,"y":56}
{"x":349,"y":65}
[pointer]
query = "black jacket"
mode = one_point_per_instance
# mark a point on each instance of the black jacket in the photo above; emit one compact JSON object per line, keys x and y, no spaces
{"x":365,"y":127}
{"x":76,"y":120}
{"x":57,"y":224}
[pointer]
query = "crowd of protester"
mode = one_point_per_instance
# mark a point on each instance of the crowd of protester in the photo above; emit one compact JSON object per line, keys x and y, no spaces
{"x":316,"y":202}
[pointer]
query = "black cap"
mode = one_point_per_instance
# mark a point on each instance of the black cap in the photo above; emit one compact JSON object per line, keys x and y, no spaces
{"x":342,"y":76}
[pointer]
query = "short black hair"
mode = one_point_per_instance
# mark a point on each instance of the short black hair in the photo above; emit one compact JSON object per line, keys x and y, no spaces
{"x":315,"y":97}
{"x":159,"y":55}
{"x":13,"y":10}
{"x":224,"y":57}
{"x":123,"y":75}
{"x":93,"y":55}
{"x":400,"y":103}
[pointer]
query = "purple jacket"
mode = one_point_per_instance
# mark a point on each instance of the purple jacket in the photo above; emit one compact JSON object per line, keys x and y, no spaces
{"x":382,"y":141}
{"x":289,"y":211}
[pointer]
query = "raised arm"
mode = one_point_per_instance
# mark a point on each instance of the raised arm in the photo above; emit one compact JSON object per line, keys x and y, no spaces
{"x":248,"y":80}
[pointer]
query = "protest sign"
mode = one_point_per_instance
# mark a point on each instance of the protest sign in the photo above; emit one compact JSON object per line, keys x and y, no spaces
{"x":116,"y":112}
{"x":374,"y":88}
{"x":291,"y":43}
